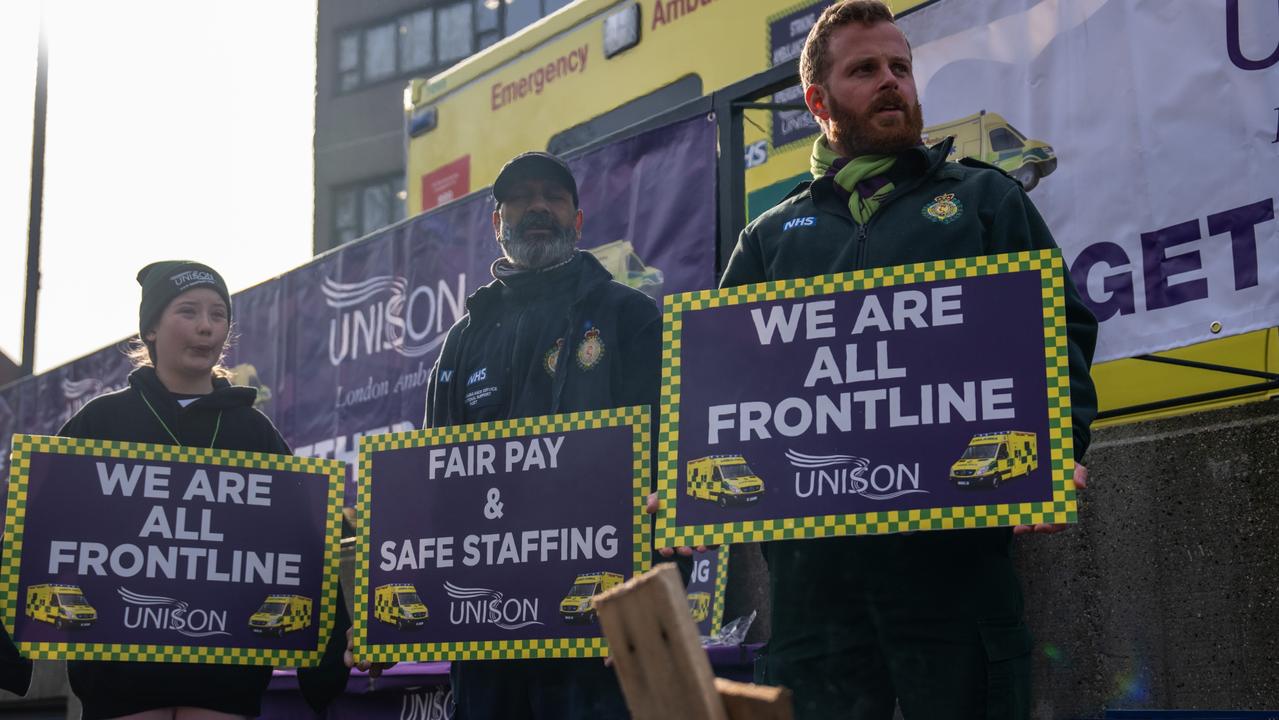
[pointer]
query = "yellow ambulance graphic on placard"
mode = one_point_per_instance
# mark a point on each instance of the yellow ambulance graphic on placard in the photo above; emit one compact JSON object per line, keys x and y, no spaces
{"x":281,"y":614}
{"x":577,"y":606}
{"x":724,"y":480}
{"x":62,"y":606}
{"x":398,"y":604}
{"x":992,"y":459}
{"x":699,"y":603}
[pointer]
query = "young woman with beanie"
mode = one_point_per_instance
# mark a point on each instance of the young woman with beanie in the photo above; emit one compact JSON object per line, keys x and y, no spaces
{"x":177,"y":396}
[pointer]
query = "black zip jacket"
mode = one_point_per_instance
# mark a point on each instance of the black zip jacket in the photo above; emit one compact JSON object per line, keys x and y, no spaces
{"x":111,"y":689}
{"x":567,"y":339}
{"x":812,"y":233}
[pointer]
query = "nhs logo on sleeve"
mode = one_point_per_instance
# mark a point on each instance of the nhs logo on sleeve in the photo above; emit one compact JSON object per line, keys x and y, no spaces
{"x":478,"y":376}
{"x":799,"y":222}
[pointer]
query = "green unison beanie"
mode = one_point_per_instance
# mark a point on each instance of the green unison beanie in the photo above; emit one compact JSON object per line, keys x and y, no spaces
{"x":165,"y":280}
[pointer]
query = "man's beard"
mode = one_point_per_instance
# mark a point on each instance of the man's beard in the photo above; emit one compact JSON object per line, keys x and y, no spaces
{"x":860,"y":134}
{"x":537,"y":254}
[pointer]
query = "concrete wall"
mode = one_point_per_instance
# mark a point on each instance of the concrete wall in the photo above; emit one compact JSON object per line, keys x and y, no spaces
{"x":1164,"y":596}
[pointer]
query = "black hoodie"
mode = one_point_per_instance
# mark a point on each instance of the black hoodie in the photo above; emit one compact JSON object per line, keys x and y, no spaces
{"x":112,"y":689}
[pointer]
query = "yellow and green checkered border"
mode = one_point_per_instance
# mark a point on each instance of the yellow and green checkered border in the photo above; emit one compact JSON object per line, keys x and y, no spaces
{"x":1061,"y":509}
{"x":721,"y":589}
{"x":25,"y":446}
{"x":635,"y":417}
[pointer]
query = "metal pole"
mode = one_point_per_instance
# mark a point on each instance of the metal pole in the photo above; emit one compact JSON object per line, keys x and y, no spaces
{"x":37,"y":204}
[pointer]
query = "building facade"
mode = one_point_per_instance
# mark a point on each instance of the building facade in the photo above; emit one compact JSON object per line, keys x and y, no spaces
{"x":366,"y":53}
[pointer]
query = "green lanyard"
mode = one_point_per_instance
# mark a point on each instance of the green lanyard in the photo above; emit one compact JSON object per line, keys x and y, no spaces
{"x":216,"y":425}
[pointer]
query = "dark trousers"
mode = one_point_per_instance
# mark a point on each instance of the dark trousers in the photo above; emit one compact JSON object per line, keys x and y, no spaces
{"x":560,"y":689}
{"x":930,"y":620}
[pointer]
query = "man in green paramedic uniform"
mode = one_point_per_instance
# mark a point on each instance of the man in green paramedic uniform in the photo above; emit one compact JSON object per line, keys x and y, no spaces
{"x":930,"y":620}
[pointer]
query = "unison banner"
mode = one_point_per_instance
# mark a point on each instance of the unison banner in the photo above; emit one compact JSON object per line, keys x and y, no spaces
{"x":488,"y":541}
{"x":919,"y":397}
{"x":126,"y":551}
{"x":1148,"y":132}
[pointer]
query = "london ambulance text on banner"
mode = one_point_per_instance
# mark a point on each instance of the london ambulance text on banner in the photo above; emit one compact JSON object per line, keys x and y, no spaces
{"x":126,"y":551}
{"x":489,"y":541}
{"x":920,"y":397}
{"x":1147,"y":136}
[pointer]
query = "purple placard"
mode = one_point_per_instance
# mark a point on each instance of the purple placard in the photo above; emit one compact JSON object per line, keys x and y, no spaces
{"x":163,"y":553}
{"x":487,"y":541}
{"x":705,"y":589}
{"x":924,"y":397}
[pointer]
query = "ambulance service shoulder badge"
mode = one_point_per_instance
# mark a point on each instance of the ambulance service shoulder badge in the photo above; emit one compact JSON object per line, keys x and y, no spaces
{"x":944,"y":209}
{"x":552,"y":357}
{"x":590,"y":350}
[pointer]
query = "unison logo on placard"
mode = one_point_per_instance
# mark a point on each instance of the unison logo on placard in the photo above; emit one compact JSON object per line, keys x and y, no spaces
{"x":481,"y":606}
{"x":824,"y":475}
{"x":155,"y":612}
{"x":76,"y":393}
{"x":383,"y":313}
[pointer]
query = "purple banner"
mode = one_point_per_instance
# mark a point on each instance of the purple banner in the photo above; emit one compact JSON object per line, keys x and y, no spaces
{"x":184,"y":555}
{"x":342,"y":347}
{"x":869,"y":399}
{"x":489,"y":540}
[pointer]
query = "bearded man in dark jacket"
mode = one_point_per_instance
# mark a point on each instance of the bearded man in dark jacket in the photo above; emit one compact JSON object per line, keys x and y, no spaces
{"x":932,"y":621}
{"x":553,"y":333}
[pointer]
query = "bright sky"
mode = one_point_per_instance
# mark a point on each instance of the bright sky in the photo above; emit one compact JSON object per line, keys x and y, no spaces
{"x":176,"y":129}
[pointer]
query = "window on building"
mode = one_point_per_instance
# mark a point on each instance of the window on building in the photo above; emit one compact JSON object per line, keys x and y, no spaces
{"x":521,"y":13}
{"x":379,"y":52}
{"x":417,"y":40}
{"x":363,"y":207}
{"x":428,"y":40}
{"x":348,"y":62}
{"x":457,"y":38}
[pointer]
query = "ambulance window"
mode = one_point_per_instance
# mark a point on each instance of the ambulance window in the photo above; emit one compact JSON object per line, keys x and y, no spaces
{"x":717,"y":475}
{"x":582,"y":590}
{"x":273,"y":608}
{"x":408,"y":598}
{"x":1003,"y":452}
{"x":71,"y":599}
{"x":1001,"y":140}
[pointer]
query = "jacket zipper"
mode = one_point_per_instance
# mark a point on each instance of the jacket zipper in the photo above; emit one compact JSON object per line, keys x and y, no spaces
{"x":863,"y":230}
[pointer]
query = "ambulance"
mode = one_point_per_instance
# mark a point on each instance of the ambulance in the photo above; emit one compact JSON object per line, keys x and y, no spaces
{"x":725,"y":480}
{"x":398,"y":604}
{"x":989,"y":138}
{"x":699,"y":603}
{"x":62,"y":606}
{"x":576,"y":607}
{"x":992,"y":459}
{"x":619,"y":258}
{"x":281,"y":614}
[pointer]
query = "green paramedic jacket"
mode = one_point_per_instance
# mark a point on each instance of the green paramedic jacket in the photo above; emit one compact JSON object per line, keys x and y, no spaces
{"x":811,"y":233}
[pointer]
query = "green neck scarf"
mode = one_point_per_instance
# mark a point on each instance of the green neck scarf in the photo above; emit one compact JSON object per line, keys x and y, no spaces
{"x":863,"y":198}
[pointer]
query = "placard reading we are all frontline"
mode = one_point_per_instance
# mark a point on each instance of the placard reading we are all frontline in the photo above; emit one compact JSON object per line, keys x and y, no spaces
{"x":162,"y":553}
{"x":920,"y":397}
{"x":488,"y":541}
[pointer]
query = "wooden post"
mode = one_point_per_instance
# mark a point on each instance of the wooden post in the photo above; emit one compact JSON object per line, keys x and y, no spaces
{"x":660,"y":663}
{"x":744,"y":701}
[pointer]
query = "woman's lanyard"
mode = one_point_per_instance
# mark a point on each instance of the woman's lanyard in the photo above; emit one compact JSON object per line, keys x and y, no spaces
{"x":216,"y":425}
